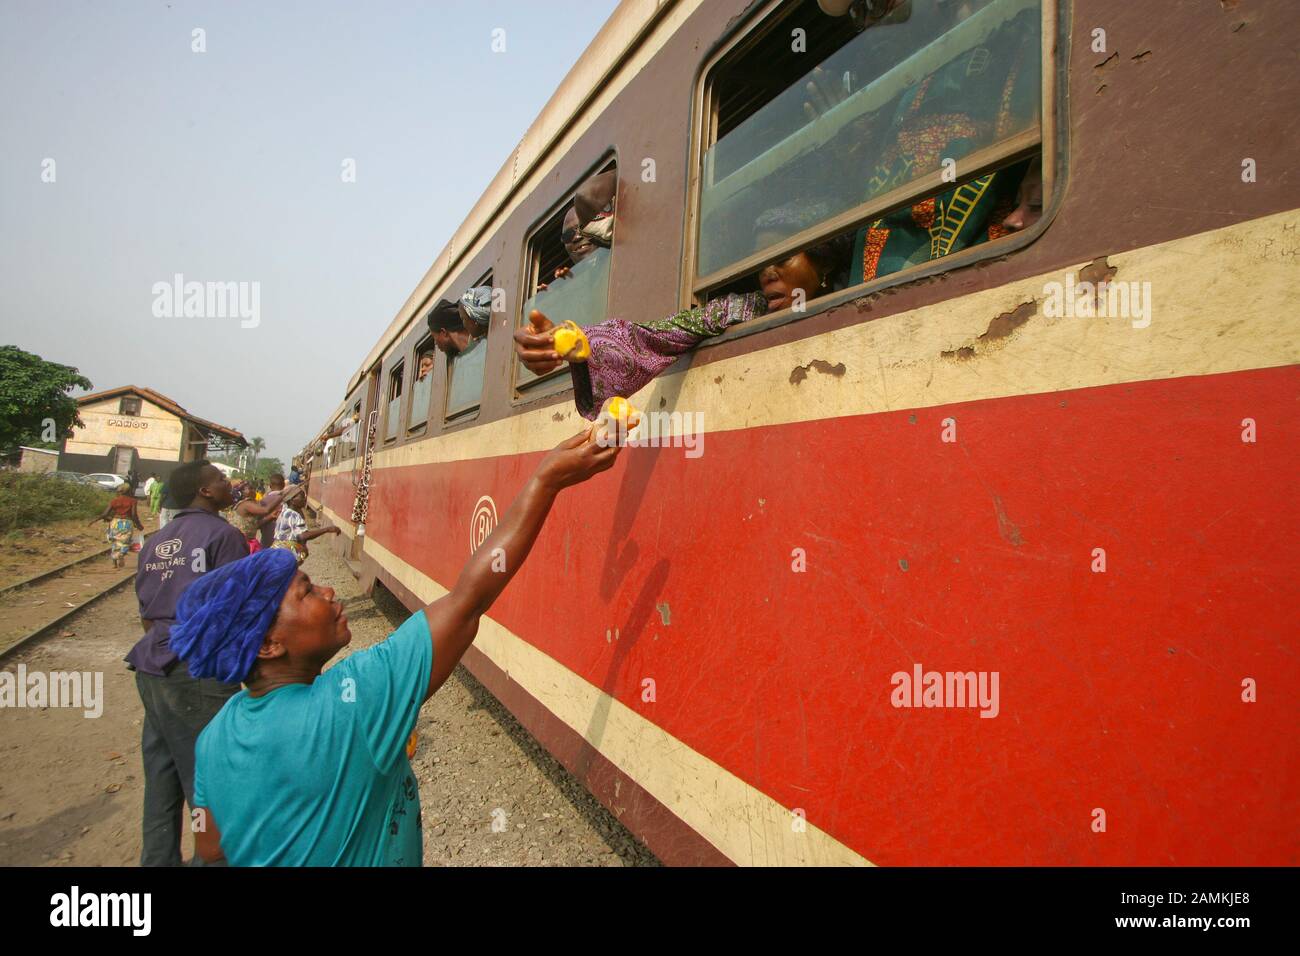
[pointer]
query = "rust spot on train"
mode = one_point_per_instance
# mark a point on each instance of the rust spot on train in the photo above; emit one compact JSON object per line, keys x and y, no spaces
{"x":1097,"y":272}
{"x":1006,"y":527}
{"x":1000,"y":326}
{"x":800,"y":372}
{"x":1006,"y":323}
{"x":1105,"y":64}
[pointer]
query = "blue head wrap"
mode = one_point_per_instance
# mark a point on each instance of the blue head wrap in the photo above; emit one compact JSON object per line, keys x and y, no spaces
{"x":222,"y":617}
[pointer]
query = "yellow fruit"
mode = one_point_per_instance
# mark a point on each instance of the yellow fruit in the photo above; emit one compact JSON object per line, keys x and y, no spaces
{"x":619,"y":409}
{"x":571,"y":343}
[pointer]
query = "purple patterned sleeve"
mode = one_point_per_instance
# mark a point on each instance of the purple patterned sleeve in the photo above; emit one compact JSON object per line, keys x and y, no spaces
{"x":626,"y":356}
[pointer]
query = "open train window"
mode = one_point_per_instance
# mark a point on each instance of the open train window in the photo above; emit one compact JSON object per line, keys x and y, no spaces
{"x":870,"y":142}
{"x":468,"y":355}
{"x":393,"y":413}
{"x":422,"y":387}
{"x":566,"y":272}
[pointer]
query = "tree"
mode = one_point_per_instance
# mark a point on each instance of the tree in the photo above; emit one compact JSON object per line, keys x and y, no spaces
{"x":266,"y":467}
{"x":35,"y":407}
{"x":255,"y":445}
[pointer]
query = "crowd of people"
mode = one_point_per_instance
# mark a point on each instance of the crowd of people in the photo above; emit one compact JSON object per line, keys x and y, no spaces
{"x":300,"y":766}
{"x":205,"y":523}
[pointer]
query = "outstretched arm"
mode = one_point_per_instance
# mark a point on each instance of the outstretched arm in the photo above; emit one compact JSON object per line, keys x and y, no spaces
{"x":453,"y":619}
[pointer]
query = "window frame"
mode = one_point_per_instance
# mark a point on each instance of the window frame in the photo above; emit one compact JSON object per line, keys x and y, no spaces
{"x":555,"y":382}
{"x":122,"y":406}
{"x":1050,"y":140}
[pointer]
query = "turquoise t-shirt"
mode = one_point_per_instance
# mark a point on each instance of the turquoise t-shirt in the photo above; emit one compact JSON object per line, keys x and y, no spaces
{"x":317,"y":774}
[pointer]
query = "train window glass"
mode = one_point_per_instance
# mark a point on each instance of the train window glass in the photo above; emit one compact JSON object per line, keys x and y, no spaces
{"x":422,"y":387}
{"x":1009,"y":200}
{"x":393,"y":414}
{"x":343,"y":432}
{"x":466,"y":363}
{"x":355,"y":440}
{"x":129,"y":406}
{"x":569,"y":261}
{"x":923,"y":93}
{"x":466,"y":371}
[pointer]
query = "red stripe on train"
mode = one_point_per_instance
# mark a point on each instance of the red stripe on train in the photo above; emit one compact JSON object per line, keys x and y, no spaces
{"x":1119,"y":691}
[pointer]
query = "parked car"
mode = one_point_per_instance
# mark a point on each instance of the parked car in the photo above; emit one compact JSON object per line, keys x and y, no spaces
{"x":107,"y":481}
{"x":73,"y":476}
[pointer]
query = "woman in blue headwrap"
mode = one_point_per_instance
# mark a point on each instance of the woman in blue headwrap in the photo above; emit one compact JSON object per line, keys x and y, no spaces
{"x":308,"y":767}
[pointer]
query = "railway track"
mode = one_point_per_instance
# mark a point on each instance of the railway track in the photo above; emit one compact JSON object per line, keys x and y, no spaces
{"x":40,"y":605}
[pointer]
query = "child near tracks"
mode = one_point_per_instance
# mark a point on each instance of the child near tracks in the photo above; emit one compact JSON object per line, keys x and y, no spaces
{"x":291,"y":532}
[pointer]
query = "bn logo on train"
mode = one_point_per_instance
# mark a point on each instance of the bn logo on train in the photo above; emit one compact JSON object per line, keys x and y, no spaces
{"x":482,"y":522}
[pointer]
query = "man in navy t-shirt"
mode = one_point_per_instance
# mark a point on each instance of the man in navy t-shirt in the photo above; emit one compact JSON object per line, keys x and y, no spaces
{"x":177,"y":706}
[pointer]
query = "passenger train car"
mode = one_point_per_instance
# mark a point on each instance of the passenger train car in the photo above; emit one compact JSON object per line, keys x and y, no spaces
{"x":983,"y":554}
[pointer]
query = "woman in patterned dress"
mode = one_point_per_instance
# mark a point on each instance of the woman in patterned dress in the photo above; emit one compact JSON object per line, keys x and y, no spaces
{"x":123,"y":522}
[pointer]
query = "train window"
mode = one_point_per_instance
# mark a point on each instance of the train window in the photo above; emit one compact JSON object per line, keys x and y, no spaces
{"x":467,"y":353}
{"x":358,"y":431}
{"x":393,"y":414}
{"x":569,"y":257}
{"x":422,"y":387}
{"x":902,"y":132}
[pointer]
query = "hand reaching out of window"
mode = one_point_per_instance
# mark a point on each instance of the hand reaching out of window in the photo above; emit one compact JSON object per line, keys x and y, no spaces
{"x":535,"y":344}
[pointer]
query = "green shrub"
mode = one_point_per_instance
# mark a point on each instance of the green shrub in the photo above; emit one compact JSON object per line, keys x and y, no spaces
{"x":28,"y":500}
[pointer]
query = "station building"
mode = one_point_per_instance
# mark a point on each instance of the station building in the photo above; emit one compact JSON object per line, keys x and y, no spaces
{"x":137,"y":428}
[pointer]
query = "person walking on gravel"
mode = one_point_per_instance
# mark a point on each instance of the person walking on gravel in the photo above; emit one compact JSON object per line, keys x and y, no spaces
{"x":304,"y":768}
{"x":122,"y":520}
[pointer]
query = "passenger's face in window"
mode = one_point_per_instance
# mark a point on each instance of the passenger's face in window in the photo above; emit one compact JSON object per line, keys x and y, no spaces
{"x":575,"y":243}
{"x":451,"y":342}
{"x":779,"y":280}
{"x":1029,"y":200}
{"x":426,"y":364}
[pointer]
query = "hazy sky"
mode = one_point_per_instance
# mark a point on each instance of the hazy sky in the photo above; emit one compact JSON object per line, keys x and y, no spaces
{"x":225,"y":166}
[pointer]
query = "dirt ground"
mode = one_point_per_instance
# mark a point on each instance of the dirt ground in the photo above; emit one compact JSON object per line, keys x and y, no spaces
{"x":32,"y":550}
{"x":71,"y":789}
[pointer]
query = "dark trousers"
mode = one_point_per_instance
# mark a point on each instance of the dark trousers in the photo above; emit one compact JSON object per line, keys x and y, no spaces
{"x":176,"y":709}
